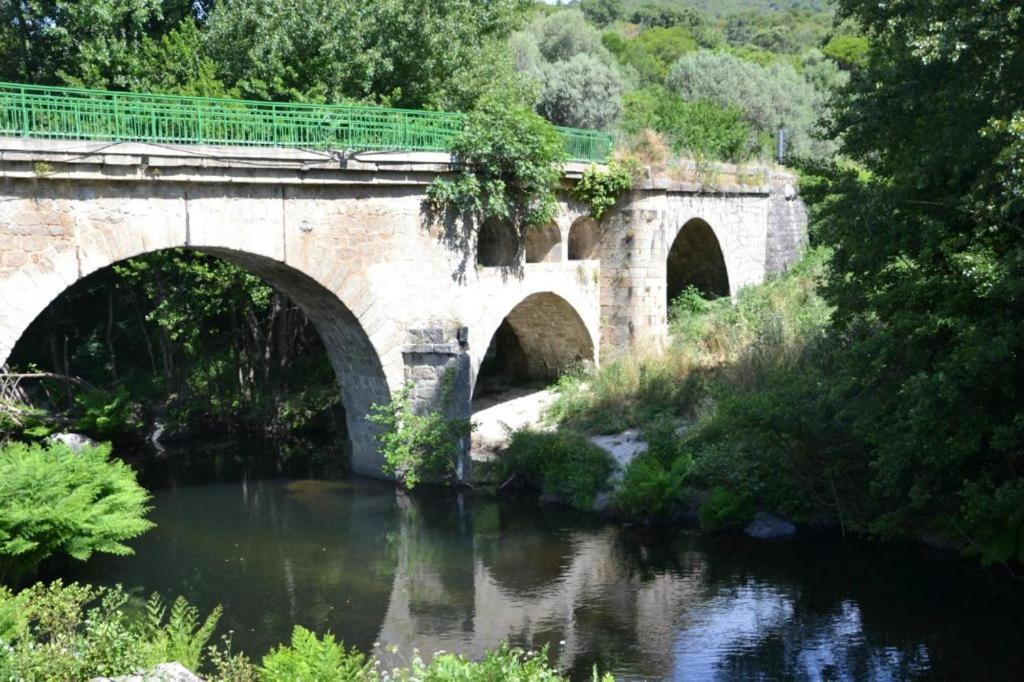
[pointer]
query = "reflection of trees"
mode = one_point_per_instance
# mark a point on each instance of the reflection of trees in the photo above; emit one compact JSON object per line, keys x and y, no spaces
{"x":273,"y":553}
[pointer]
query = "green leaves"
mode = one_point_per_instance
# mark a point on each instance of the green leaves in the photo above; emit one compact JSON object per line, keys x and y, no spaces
{"x":77,"y":632}
{"x":512,"y":159}
{"x":53,"y":500}
{"x":562,"y":464}
{"x":311,"y":659}
{"x":416,"y":446}
{"x":600,"y":189}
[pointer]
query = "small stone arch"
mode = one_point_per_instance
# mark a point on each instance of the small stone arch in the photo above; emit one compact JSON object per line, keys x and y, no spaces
{"x":538,"y":339}
{"x":695,"y":259}
{"x":584,"y":239}
{"x":497,"y":244}
{"x":544,"y":244}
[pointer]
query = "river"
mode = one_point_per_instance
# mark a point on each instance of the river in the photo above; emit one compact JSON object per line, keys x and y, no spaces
{"x":270,"y":538}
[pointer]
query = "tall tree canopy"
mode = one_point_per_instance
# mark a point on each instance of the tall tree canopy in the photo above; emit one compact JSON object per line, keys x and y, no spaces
{"x":928,"y":272}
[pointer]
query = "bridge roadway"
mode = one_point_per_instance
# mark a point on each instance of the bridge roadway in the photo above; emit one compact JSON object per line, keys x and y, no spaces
{"x":398,"y":295}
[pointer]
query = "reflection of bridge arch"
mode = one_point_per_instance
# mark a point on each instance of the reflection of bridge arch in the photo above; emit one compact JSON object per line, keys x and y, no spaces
{"x":114,"y":237}
{"x":550,"y":333}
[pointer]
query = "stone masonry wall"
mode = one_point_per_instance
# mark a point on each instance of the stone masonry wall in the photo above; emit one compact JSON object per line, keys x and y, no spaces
{"x":394,"y":296}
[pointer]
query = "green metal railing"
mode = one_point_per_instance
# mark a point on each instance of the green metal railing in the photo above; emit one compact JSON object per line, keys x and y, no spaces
{"x":79,"y":114}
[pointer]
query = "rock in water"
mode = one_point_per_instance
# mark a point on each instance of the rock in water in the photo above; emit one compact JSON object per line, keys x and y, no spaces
{"x":76,"y":442}
{"x":765,"y":526}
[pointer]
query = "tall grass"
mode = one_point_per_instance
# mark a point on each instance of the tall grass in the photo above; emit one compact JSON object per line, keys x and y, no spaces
{"x":725,"y":341}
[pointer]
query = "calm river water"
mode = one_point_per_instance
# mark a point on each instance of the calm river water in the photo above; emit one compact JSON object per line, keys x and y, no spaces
{"x":463,"y":573}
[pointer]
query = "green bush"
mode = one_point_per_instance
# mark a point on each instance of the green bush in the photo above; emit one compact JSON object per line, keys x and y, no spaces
{"x":701,"y":127}
{"x":513,"y":165}
{"x":724,"y":509}
{"x":600,"y":189}
{"x":105,"y":414}
{"x":55,"y":501}
{"x":418,"y":446}
{"x":76,"y":632}
{"x":311,"y":659}
{"x":562,"y":464}
{"x":651,"y":487}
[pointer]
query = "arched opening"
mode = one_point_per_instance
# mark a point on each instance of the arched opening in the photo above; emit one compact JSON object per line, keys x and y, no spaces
{"x":203,"y":343}
{"x":696,"y":260}
{"x":533,"y":345}
{"x":497,"y":244}
{"x":539,"y":339}
{"x":584,"y":239}
{"x":544,"y":244}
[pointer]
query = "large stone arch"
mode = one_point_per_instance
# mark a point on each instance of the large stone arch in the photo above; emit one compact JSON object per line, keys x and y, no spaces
{"x":550,"y":330}
{"x":695,"y":258}
{"x":51,"y":243}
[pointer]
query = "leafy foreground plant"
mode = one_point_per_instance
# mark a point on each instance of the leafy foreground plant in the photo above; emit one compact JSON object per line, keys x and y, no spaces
{"x":513,"y":163}
{"x":56,"y":501}
{"x":600,"y":189}
{"x":76,"y":632}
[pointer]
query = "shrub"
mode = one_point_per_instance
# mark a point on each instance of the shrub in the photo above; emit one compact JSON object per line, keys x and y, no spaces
{"x":651,"y":487}
{"x":724,"y":509}
{"x":77,"y":632}
{"x":312,"y":659}
{"x":562,"y":464}
{"x":104,"y":413}
{"x":563,"y":35}
{"x":701,"y":128}
{"x":771,"y":97}
{"x":849,"y":51}
{"x":417,"y":446}
{"x":600,"y":189}
{"x":582,"y":91}
{"x":653,"y":52}
{"x":602,"y":12}
{"x":512,"y":159}
{"x":53,"y":501}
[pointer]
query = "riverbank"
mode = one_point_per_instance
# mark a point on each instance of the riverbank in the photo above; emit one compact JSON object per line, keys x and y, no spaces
{"x":745,"y":419}
{"x":657,"y":414}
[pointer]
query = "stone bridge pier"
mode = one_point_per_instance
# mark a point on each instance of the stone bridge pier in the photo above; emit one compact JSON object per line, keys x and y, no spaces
{"x":398,"y":298}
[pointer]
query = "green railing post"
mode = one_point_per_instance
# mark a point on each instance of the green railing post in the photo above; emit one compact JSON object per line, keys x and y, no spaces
{"x":24,"y":114}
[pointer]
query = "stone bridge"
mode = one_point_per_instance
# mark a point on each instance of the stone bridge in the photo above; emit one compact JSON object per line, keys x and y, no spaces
{"x":397,"y":296}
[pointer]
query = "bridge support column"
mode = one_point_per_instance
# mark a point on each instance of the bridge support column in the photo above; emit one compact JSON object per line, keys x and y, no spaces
{"x":437,"y":365}
{"x":632,"y":281}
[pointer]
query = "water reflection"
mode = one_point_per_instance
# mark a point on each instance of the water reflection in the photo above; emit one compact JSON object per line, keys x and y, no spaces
{"x":463,"y":574}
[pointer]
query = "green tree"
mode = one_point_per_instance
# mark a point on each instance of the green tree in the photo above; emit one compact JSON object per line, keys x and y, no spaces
{"x":928,"y":272}
{"x":399,"y":52}
{"x":655,"y":50}
{"x":602,"y":12}
{"x":771,"y":97}
{"x":94,"y":44}
{"x":583,"y":91}
{"x":849,"y":51}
